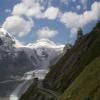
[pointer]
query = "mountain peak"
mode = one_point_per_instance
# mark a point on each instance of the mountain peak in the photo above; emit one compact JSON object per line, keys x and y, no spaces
{"x":45,"y":43}
{"x":6,"y":39}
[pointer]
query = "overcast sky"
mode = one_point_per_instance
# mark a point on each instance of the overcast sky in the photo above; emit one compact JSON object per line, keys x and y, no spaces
{"x":56,"y":20}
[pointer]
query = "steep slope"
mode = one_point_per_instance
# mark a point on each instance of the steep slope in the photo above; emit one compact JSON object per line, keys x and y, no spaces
{"x":78,"y":66}
{"x":74,"y":61}
{"x":87,"y":84}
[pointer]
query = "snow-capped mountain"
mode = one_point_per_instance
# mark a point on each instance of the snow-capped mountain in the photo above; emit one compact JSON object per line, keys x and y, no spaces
{"x":6,"y":40}
{"x":39,"y":53}
{"x":46,"y":50}
{"x":42,"y":52}
{"x":15,"y":57}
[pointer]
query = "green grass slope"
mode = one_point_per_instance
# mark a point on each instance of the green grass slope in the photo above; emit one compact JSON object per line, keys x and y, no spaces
{"x":87,"y":85}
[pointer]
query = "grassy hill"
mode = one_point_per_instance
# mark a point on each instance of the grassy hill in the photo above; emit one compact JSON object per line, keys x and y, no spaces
{"x":87,"y":84}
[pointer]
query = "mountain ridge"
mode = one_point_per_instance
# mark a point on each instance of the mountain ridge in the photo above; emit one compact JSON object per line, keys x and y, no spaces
{"x":62,"y":75}
{"x":74,"y":61}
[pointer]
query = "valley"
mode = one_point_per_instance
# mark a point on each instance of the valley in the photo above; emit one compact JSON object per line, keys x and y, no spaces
{"x":75,"y":76}
{"x":49,"y":49}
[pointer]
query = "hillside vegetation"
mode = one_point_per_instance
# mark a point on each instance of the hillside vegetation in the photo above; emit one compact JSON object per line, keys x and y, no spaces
{"x":87,"y":84}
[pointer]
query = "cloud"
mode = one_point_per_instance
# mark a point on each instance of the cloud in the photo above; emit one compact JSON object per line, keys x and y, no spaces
{"x":73,"y":32}
{"x":84,"y":3}
{"x":51,"y":13}
{"x":65,"y":1}
{"x":21,"y":21}
{"x":35,"y":8}
{"x":74,"y":21}
{"x":28,"y":8}
{"x":18,"y":26}
{"x":47,"y":33}
{"x":7,"y":10}
{"x":18,"y":44}
{"x":78,"y":7}
{"x":73,"y":0}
